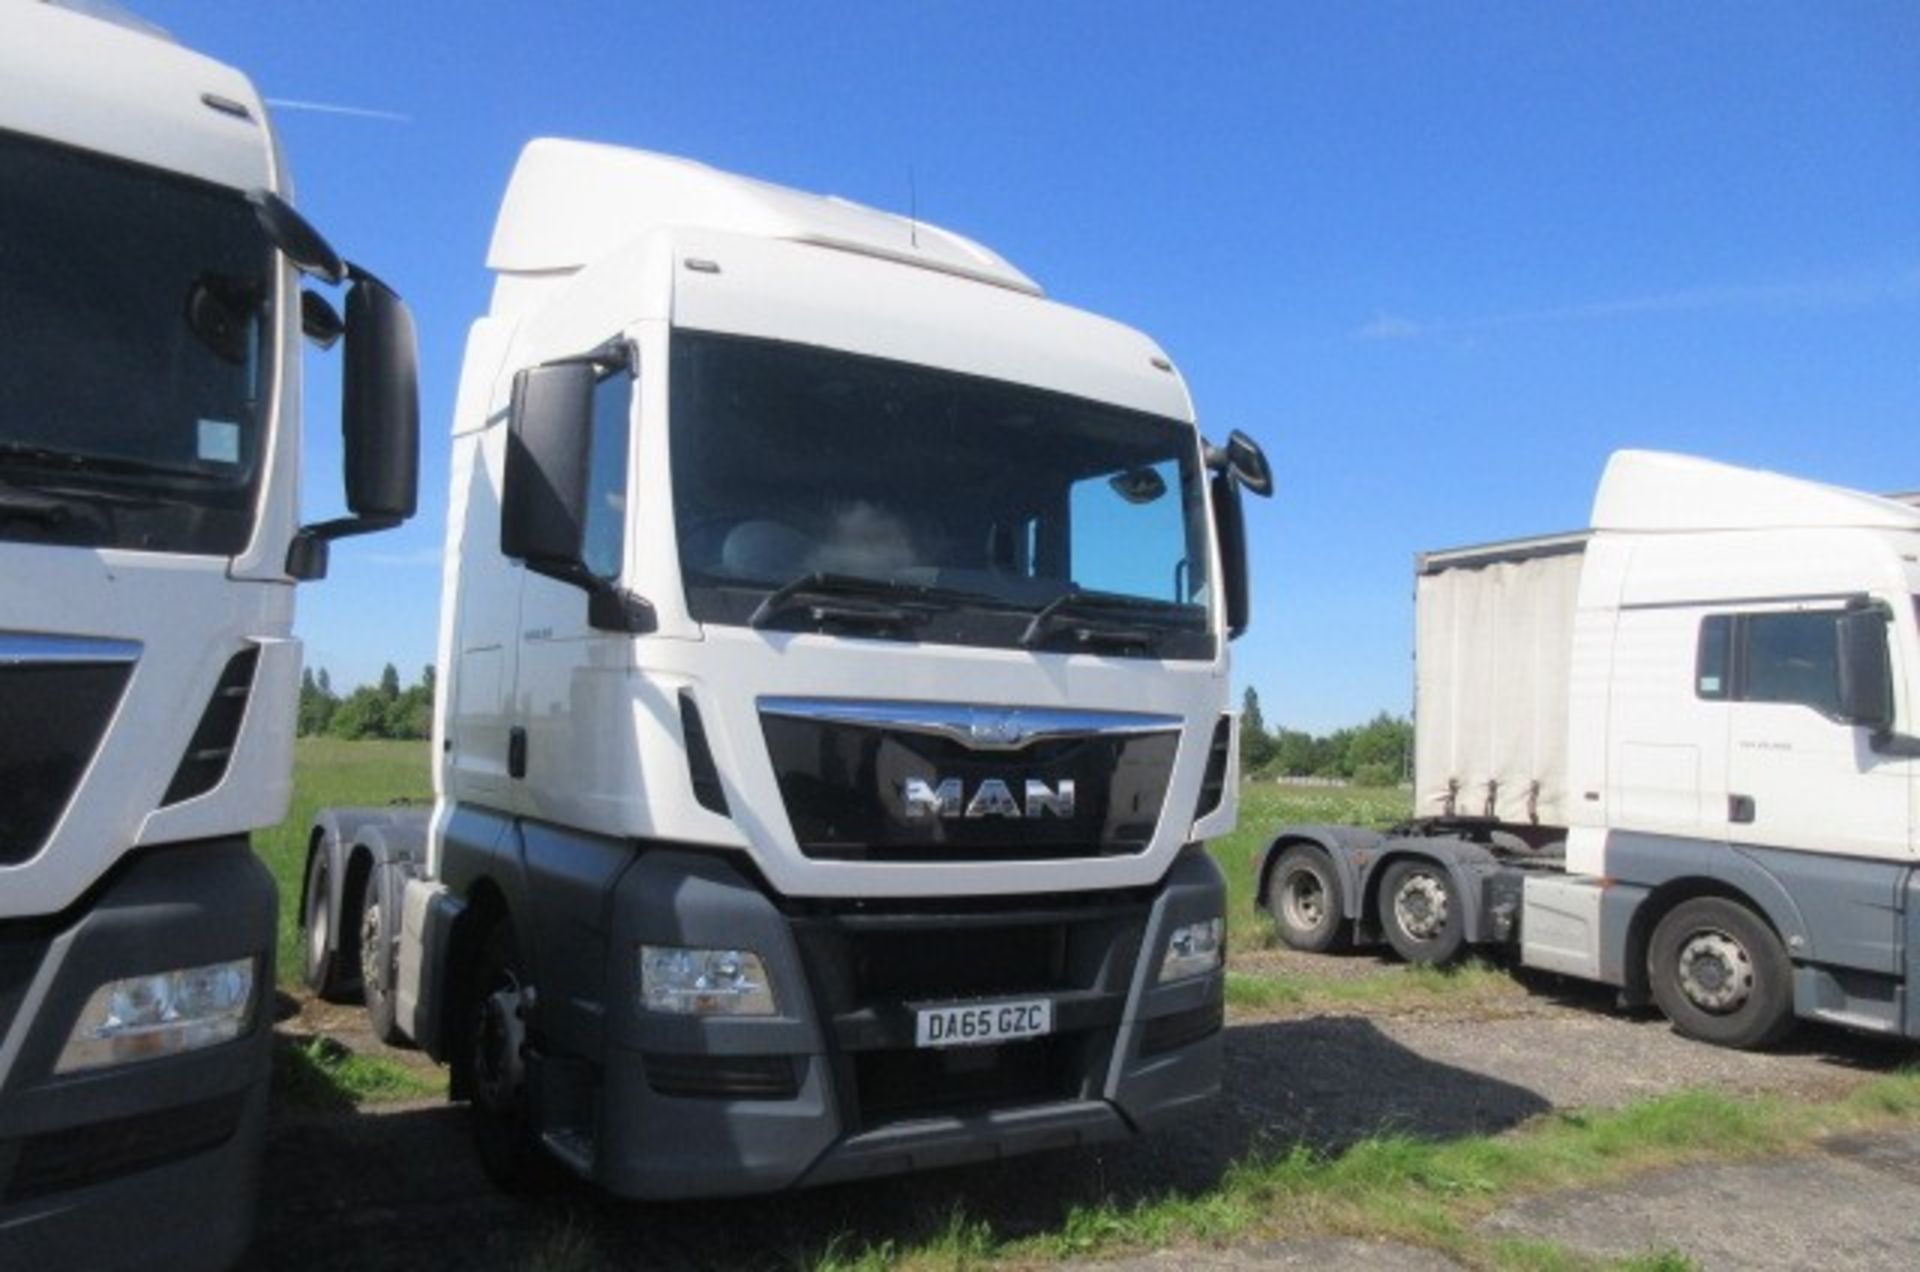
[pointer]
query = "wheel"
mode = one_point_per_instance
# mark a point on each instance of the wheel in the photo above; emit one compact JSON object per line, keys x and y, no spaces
{"x":502,"y":1114}
{"x":1304,"y":898}
{"x":320,"y":964}
{"x":377,"y":965}
{"x":1420,"y":913}
{"x":1721,"y":975}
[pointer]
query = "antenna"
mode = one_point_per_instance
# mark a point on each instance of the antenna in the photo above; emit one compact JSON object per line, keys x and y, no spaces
{"x":913,"y":208}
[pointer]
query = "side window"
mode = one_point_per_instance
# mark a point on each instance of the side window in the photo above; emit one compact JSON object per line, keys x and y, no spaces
{"x":1774,"y":657}
{"x":1713,"y":669}
{"x":1112,"y":516}
{"x":1791,"y":658}
{"x":606,"y":526}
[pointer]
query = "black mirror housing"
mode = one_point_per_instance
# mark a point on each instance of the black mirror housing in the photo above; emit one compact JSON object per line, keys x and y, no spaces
{"x":1866,"y":667}
{"x":380,"y":404}
{"x":1230,"y":527}
{"x":294,"y":237}
{"x":1248,"y":463}
{"x":544,"y":491}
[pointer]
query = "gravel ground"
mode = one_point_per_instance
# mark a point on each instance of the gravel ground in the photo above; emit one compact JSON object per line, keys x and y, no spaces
{"x":397,"y":1188}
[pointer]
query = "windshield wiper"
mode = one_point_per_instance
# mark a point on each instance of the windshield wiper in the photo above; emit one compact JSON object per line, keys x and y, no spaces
{"x":858,"y":598}
{"x":1098,"y":619}
{"x":28,"y":455}
{"x":24,"y":505}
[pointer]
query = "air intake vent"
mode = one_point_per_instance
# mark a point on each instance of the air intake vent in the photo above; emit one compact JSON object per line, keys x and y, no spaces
{"x":211,"y":746}
{"x":1214,"y":784}
{"x":56,"y":696}
{"x":700,"y":765}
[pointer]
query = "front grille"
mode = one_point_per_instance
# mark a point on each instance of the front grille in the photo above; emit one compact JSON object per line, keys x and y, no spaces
{"x":870,"y":969}
{"x":56,"y":714}
{"x":55,"y":1161}
{"x":844,"y":784}
{"x":211,"y":747}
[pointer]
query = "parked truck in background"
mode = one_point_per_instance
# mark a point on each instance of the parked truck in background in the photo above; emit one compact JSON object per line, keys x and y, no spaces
{"x":832,"y":704}
{"x":1674,"y":753}
{"x":151,"y":316}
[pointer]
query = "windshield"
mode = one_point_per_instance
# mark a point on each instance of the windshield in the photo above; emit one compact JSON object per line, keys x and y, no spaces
{"x":135,"y":333}
{"x":980,"y":503}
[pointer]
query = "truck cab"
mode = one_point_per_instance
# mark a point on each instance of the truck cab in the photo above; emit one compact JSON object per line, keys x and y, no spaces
{"x":151,"y":324}
{"x":834,"y":650}
{"x":1676,"y":753}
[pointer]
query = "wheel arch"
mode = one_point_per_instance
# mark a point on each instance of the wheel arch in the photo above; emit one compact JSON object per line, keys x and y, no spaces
{"x":1455,"y":857}
{"x":1341,"y":845}
{"x":485,"y":905}
{"x":1668,"y":896}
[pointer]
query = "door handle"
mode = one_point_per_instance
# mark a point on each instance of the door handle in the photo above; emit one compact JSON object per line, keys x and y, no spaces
{"x":1740,"y":809}
{"x":516,"y":752}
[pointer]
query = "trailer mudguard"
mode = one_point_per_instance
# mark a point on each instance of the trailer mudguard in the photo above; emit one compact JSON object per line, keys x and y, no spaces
{"x":391,"y":833}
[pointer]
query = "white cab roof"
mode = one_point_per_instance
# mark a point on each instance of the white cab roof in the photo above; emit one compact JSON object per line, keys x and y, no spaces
{"x":102,"y":83}
{"x":571,"y":202}
{"x":1654,"y":491}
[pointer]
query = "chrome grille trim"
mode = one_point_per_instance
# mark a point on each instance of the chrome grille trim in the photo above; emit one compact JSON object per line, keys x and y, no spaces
{"x":977,"y":727}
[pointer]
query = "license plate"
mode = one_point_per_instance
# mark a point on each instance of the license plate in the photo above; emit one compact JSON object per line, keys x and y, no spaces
{"x":982,"y":1024}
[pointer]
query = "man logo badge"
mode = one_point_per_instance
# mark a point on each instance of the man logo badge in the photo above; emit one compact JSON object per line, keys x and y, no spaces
{"x":993,"y":798}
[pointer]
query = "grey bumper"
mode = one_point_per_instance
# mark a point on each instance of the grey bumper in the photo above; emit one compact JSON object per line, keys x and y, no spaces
{"x":835,"y":1089}
{"x":154,"y":1163}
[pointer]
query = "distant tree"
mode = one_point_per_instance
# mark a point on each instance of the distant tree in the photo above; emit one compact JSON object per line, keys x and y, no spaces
{"x":362,"y":714}
{"x":389,"y":682}
{"x":1381,"y":745}
{"x":1293,"y":753}
{"x":1256,"y":744}
{"x":317,"y":704}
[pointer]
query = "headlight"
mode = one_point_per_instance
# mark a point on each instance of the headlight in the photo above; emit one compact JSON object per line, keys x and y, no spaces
{"x":141,"y":1017}
{"x":704,"y":982}
{"x":1192,"y":950}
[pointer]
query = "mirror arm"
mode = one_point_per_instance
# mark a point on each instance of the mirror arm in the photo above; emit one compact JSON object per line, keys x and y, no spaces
{"x":1899,"y":746}
{"x":307,"y":554}
{"x":610,"y":607}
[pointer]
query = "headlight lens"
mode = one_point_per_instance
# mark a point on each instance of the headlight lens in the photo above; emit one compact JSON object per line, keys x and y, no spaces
{"x":692,"y":982}
{"x":141,"y":1017}
{"x":1192,"y":950}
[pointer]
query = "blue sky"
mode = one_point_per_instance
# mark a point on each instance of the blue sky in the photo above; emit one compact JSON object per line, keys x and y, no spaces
{"x":1440,"y":259}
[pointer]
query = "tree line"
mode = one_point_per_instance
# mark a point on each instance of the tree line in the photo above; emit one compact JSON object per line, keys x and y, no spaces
{"x":1377,"y":753}
{"x":383,"y":710}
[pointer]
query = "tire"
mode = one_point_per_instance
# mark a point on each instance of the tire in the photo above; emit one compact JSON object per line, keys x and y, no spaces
{"x":1720,"y":974}
{"x":320,"y":960}
{"x":1420,"y":913}
{"x":502,"y":1115}
{"x":377,"y":964}
{"x":1303,"y":896}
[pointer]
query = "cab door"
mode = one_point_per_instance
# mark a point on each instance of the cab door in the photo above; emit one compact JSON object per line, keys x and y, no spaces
{"x":573,"y":755}
{"x":1800,"y":777}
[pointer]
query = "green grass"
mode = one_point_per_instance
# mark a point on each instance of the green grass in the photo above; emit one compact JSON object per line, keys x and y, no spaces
{"x":320,"y":1075}
{"x":1465,"y":987}
{"x":1265,"y":806}
{"x":329,"y":771}
{"x":1423,"y":1193}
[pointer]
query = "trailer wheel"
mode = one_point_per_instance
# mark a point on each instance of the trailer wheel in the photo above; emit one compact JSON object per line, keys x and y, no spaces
{"x":1303,"y":897}
{"x":319,"y":963}
{"x":1721,"y":975}
{"x":503,"y":1131}
{"x":376,"y":964}
{"x":1420,"y":913}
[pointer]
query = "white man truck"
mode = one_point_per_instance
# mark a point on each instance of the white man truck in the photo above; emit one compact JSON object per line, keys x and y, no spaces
{"x":833,"y":672}
{"x":151,"y":319}
{"x":1674,"y":753}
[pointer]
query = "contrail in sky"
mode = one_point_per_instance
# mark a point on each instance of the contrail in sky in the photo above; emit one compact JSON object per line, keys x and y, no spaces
{"x":332,"y":108}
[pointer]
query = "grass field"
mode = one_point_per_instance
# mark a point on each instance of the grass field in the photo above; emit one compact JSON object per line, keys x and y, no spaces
{"x":326,"y":772}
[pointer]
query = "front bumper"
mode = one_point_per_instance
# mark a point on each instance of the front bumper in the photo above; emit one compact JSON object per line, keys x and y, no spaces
{"x":834,"y":1088}
{"x":153,"y":1163}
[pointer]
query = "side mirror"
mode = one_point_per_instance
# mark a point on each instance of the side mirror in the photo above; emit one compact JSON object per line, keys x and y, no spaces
{"x":379,"y":417}
{"x":543,"y":497}
{"x":1248,"y":463}
{"x":380,"y":404}
{"x":543,"y":500}
{"x":1866,"y":670}
{"x":1230,"y":528}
